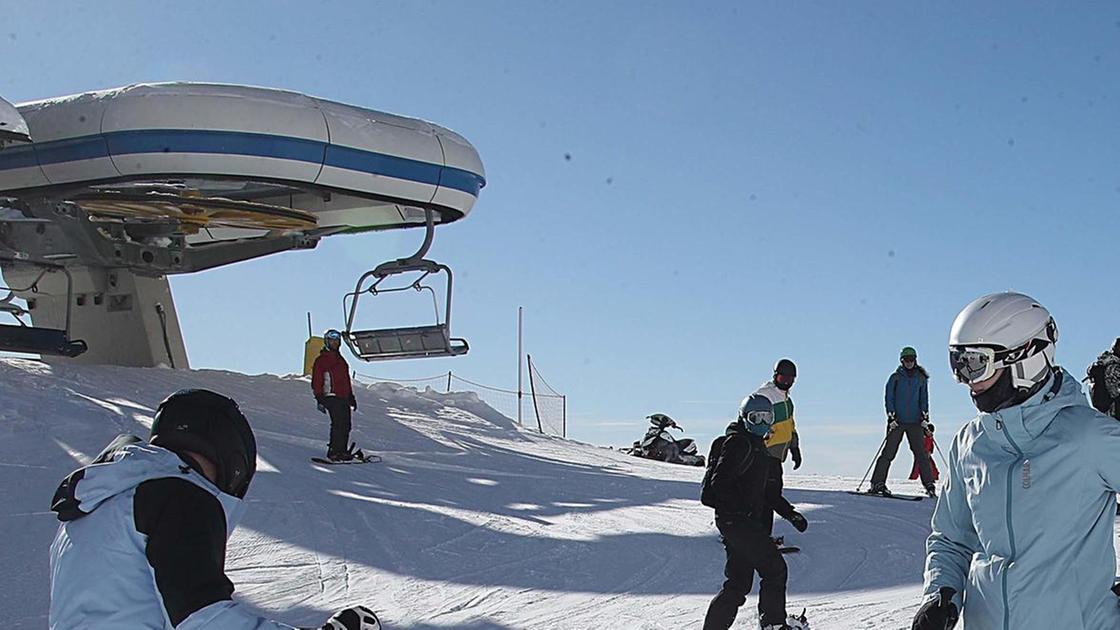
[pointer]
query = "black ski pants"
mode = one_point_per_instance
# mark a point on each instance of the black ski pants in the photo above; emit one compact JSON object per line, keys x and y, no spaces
{"x":916,"y":436}
{"x":339,"y":409}
{"x":773,"y":478}
{"x":749,"y":551}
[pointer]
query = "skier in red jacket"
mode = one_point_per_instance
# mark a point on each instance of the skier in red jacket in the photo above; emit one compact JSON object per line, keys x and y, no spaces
{"x":330,"y":382}
{"x":928,"y":445}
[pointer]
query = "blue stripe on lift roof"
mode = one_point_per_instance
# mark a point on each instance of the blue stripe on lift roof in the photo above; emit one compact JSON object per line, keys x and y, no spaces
{"x":239,"y":143}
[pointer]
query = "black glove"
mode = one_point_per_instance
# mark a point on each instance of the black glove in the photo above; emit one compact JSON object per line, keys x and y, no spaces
{"x":939,"y":613}
{"x":798,"y":521}
{"x":796,"y":453}
{"x":353,"y":402}
{"x":353,"y":618}
{"x":321,"y":404}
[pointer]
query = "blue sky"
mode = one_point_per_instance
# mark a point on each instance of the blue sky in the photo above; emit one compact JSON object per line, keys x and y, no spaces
{"x":678,"y":195}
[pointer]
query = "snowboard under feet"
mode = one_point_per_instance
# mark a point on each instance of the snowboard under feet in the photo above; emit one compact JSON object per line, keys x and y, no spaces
{"x":901,"y":497}
{"x":363,"y":459}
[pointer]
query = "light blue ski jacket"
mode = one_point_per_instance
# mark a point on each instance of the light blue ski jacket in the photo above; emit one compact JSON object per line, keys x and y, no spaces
{"x":100,"y":576}
{"x":1024,"y":524}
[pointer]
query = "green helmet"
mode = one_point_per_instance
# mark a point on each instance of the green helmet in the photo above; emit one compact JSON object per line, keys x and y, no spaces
{"x":908,"y":352}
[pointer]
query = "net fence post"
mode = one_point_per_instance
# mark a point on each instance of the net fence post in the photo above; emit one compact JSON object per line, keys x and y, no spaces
{"x":533,"y":393}
{"x":564,"y":416}
{"x":449,"y":381}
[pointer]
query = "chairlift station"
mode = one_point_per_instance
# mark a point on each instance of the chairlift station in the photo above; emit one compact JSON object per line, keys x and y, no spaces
{"x":103,"y":195}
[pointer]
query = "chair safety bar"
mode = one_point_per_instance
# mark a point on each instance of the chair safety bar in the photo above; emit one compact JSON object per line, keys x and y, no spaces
{"x":37,"y":340}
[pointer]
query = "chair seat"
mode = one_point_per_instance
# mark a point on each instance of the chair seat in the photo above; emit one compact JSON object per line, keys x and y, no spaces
{"x":405,"y":343}
{"x":30,"y":339}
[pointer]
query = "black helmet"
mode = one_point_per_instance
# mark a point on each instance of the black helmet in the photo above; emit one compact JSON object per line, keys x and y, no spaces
{"x":784,"y":374}
{"x":211,"y":425}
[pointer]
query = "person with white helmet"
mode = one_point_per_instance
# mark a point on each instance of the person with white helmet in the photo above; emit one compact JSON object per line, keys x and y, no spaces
{"x":737,"y":485}
{"x":1022,"y":535}
{"x":144,"y":527}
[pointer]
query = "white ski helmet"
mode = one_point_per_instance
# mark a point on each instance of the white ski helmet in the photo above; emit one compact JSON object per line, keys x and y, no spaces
{"x":1000,"y":330}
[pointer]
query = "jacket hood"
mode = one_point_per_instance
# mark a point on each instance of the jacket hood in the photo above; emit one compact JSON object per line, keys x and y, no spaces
{"x":1016,"y":428}
{"x":125,"y":464}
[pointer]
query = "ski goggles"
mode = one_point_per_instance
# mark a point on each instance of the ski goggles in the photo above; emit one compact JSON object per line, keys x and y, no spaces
{"x":973,"y":365}
{"x":759,"y":417}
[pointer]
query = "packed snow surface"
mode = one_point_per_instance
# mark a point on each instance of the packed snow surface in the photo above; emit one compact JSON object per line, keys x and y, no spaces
{"x":470,"y":522}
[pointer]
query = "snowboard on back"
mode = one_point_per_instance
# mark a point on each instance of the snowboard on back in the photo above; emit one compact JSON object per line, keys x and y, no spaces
{"x":900,"y":497}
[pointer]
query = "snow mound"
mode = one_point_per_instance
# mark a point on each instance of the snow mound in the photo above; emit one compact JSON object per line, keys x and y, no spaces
{"x":470,"y":521}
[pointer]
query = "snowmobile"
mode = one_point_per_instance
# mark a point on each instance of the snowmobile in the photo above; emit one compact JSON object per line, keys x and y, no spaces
{"x":659,"y":444}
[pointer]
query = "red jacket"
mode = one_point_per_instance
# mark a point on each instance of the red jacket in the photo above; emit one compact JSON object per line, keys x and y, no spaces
{"x":914,"y":474}
{"x":330,"y":376}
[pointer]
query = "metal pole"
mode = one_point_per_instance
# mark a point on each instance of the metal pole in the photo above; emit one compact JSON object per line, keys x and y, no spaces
{"x":309,"y":333}
{"x":564,"y":408}
{"x":875,"y":459}
{"x":449,"y":381}
{"x":533,"y":392}
{"x":519,"y":376}
{"x":944,"y":462}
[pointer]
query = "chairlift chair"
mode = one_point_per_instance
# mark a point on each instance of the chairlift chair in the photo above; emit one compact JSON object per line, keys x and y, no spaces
{"x":411,"y":342}
{"x":35,"y":339}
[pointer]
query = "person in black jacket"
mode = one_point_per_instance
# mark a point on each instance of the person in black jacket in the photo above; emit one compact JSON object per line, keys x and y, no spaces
{"x":736,"y":486}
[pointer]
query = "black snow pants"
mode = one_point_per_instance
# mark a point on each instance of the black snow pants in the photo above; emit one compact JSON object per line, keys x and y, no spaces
{"x":749,"y":551}
{"x":339,"y":409}
{"x":916,"y":436}
{"x":773,"y":477}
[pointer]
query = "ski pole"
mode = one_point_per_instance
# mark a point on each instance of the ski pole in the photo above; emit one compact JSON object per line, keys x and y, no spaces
{"x":876,"y":458}
{"x":944,"y":462}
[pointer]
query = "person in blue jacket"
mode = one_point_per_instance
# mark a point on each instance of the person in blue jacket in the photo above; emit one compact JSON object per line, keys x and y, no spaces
{"x":1022,"y":535}
{"x":142,"y":542}
{"x":907,"y":402}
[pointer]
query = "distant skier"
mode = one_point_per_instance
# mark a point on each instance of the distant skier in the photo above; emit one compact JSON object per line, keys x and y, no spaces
{"x":736,"y":485}
{"x":783,"y":439}
{"x":928,"y":444}
{"x":1023,"y":530}
{"x":330,"y":382}
{"x":142,"y":542}
{"x":907,"y":403}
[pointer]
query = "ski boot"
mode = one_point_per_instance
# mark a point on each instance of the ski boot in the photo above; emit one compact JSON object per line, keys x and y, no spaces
{"x":879,"y":489}
{"x":931,"y":490}
{"x":778,"y":541}
{"x":340,"y":456}
{"x":799,"y":622}
{"x":356,"y":453}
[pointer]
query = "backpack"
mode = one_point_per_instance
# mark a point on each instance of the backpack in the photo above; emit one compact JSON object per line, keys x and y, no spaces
{"x":1098,"y":391}
{"x":707,"y":493}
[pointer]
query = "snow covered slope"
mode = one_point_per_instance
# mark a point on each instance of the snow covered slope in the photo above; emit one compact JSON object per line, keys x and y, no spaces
{"x":470,"y":522}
